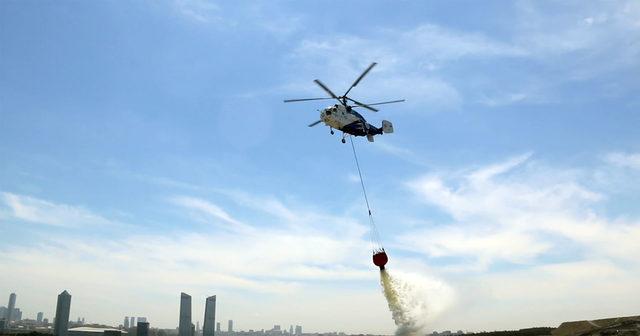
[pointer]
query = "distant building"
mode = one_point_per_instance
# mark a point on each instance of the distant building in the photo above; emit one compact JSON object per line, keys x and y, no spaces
{"x":62,"y":314}
{"x":185,"y":325}
{"x":142,"y":319}
{"x":132,"y":322}
{"x":298,"y":330}
{"x":126,"y":322}
{"x":210,"y":317}
{"x":230,"y":326}
{"x":291,"y":330}
{"x":16,"y":315}
{"x":143,"y":328}
{"x":10,"y":307}
{"x":45,"y":321}
{"x":218,"y":327}
{"x":39,"y":317}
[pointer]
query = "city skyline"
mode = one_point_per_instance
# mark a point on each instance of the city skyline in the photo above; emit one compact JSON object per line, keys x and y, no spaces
{"x":146,"y":151}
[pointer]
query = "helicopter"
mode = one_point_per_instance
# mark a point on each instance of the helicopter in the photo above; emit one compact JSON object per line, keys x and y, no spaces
{"x":344,"y":118}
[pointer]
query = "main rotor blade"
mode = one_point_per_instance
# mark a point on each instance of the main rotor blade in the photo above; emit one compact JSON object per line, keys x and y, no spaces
{"x":388,"y":102}
{"x":326,"y":89}
{"x":363,"y":105}
{"x":366,"y":71}
{"x":303,"y":99}
{"x":315,"y":123}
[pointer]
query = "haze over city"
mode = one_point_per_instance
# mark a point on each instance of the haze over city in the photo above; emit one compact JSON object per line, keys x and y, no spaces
{"x":145,"y":151}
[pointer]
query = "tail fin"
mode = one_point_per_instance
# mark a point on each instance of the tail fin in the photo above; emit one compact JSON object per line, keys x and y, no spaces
{"x":387,"y":126}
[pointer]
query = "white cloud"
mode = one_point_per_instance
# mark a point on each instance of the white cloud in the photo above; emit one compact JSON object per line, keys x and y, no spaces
{"x":626,"y":160}
{"x":30,"y":209}
{"x":199,"y":10}
{"x":527,"y":238}
{"x":423,"y":63}
{"x":210,"y":209}
{"x":517,"y":211}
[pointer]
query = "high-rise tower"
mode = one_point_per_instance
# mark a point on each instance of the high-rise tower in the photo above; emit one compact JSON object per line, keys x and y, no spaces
{"x":230,"y":326}
{"x":10,"y":310}
{"x":62,"y":314}
{"x":126,"y":322}
{"x":209,"y":317}
{"x":184,"y":326}
{"x":142,"y":328}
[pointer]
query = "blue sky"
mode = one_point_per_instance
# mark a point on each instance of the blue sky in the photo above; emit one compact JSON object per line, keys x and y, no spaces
{"x":146,"y":150}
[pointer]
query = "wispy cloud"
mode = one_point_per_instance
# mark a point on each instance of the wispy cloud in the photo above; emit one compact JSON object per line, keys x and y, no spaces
{"x":626,"y":160}
{"x":35,"y":210}
{"x":210,"y":210}
{"x":422,"y":63}
{"x":517,"y":213}
{"x":203,"y":11}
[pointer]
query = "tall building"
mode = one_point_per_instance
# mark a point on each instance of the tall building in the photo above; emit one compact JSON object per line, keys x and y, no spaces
{"x":132,"y":321}
{"x":184,"y":326}
{"x":218,"y":327}
{"x":39,"y":317}
{"x":230,"y":326}
{"x":61,"y":324}
{"x":298,"y":330}
{"x":210,"y":317}
{"x":291,"y":329}
{"x":126,"y":322}
{"x":16,"y":315}
{"x":143,"y":328}
{"x":10,"y":307}
{"x":142,"y":319}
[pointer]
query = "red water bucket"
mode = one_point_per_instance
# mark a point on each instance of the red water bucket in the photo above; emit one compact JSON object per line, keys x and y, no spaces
{"x":380,"y":259}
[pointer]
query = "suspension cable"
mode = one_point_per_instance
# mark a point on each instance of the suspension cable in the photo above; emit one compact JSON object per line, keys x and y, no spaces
{"x":375,"y":237}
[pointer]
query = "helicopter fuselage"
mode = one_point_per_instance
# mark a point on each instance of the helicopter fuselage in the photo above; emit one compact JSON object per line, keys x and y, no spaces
{"x":347,"y":120}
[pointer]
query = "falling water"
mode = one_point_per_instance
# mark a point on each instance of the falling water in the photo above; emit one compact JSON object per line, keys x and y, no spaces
{"x":408,"y":312}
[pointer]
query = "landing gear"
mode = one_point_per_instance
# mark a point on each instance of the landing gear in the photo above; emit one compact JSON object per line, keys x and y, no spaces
{"x":344,"y":141}
{"x":332,"y":132}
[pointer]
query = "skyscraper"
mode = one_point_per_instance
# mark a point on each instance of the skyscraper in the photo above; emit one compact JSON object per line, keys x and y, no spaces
{"x":218,"y":327}
{"x":298,"y":330}
{"x":143,"y":328}
{"x":142,"y":319}
{"x":184,"y":326}
{"x":39,"y":317}
{"x":10,"y":307}
{"x":291,"y":329}
{"x":62,"y":314}
{"x":16,"y":315}
{"x":126,"y":322}
{"x":132,"y":321}
{"x":230,"y":326}
{"x":209,"y":317}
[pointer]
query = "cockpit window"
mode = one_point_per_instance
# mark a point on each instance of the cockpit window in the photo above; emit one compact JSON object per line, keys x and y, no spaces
{"x":357,"y":114}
